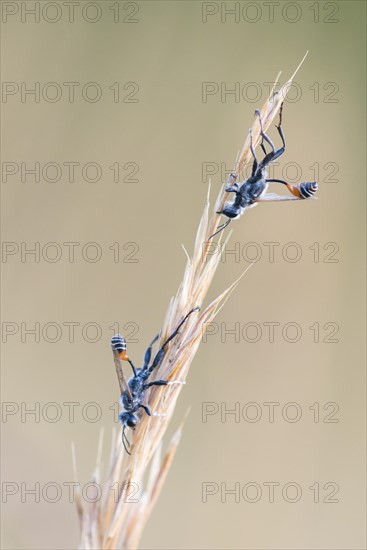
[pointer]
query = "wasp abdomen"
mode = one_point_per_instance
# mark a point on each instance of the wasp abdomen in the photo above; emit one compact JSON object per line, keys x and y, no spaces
{"x":118,"y":343}
{"x":307,"y":189}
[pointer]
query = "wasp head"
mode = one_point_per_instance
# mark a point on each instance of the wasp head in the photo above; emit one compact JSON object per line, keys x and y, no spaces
{"x":128,"y":419}
{"x":230,"y":210}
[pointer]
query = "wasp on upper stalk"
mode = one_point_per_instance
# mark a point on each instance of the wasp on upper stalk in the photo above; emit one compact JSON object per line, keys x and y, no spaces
{"x":253,"y":190}
{"x":133,"y":391}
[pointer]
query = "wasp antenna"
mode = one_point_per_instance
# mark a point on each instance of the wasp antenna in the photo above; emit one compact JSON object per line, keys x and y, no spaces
{"x":221,"y":227}
{"x":125,"y":440}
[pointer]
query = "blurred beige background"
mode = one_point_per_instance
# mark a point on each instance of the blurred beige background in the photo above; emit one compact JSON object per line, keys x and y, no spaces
{"x":169,"y":132}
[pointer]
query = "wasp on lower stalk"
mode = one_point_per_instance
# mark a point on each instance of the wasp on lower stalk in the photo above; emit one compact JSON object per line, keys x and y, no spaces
{"x":133,"y":391}
{"x":253,"y":190}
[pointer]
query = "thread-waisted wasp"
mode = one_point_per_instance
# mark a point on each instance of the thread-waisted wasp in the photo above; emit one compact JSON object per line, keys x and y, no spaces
{"x":253,"y":190}
{"x":133,"y":391}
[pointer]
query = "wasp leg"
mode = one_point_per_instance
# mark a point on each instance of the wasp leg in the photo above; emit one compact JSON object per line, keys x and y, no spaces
{"x":263,"y":147}
{"x":155,"y":383}
{"x":255,"y":165}
{"x":279,"y":127}
{"x":159,"y":355}
{"x":274,"y":153}
{"x":146,"y":408}
{"x":162,"y":383}
{"x":262,"y":133}
{"x":148,"y":353}
{"x":148,"y":411}
{"x":257,"y":112}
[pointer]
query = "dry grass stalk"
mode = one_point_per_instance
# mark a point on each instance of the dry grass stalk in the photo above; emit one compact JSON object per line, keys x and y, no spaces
{"x":112,"y":522}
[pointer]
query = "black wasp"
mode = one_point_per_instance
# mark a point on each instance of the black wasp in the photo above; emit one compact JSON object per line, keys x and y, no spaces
{"x":133,"y":392}
{"x":253,"y":190}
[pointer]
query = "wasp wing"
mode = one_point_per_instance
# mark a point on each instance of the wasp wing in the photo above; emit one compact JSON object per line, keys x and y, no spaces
{"x":274,"y":197}
{"x":120,"y":374}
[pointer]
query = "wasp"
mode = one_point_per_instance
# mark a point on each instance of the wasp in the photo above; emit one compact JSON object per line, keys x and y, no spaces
{"x":253,"y":190}
{"x":133,"y":391}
